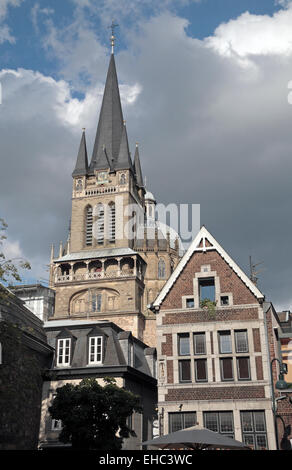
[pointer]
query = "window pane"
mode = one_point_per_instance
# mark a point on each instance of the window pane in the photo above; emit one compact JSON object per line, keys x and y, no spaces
{"x":243,"y":368}
{"x":199,"y":343}
{"x":226,"y":369}
{"x":248,"y":439}
{"x":211,"y":421}
{"x":175,"y":422}
{"x":246,"y":419}
{"x":241,"y":341}
{"x":225,"y":342}
{"x":261,"y":441}
{"x":185,"y":371}
{"x":259,"y":421}
{"x":201,"y":370}
{"x":189,"y":419}
{"x":178,"y":421}
{"x":184,"y":344}
{"x":224,"y":300}
{"x":207,"y":289}
{"x":190,"y":303}
{"x":226,"y":421}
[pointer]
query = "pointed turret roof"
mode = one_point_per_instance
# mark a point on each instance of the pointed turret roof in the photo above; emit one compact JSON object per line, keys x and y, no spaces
{"x":137,"y":168}
{"x":81,"y":167}
{"x":110,"y":125}
{"x":124,"y":161}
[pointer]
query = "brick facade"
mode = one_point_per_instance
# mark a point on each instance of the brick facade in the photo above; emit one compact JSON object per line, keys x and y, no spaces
{"x":248,"y":387}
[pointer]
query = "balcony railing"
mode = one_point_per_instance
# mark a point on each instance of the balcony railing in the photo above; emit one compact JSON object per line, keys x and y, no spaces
{"x":97,"y":275}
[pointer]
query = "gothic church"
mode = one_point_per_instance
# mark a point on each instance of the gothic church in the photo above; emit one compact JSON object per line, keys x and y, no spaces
{"x":115,"y":261}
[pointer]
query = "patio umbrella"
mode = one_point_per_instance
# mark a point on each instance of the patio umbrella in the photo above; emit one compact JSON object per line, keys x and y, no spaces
{"x":197,"y":438}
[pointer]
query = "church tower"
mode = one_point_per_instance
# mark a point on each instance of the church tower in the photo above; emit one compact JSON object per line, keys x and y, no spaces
{"x":106,"y":271}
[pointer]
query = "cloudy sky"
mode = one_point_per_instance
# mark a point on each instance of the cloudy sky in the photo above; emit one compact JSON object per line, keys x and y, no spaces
{"x":205,"y":89}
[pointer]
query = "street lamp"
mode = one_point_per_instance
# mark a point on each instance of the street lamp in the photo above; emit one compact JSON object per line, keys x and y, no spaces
{"x":281,"y":384}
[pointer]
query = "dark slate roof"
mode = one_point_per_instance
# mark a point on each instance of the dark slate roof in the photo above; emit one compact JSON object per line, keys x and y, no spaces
{"x":81,"y":167}
{"x":124,"y":161}
{"x":110,"y":125}
{"x":137,"y":168}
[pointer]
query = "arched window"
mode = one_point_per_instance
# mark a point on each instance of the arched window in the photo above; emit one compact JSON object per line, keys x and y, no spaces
{"x":96,"y":299}
{"x":161,"y":269}
{"x":88,"y":226}
{"x":100,"y":224}
{"x":112,"y":222}
{"x":123,"y":179}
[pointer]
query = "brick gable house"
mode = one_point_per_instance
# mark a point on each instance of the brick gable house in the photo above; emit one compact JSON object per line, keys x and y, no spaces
{"x":213,"y":348}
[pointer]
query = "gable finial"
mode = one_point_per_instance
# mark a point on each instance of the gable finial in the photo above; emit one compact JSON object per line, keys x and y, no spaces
{"x":113,"y":38}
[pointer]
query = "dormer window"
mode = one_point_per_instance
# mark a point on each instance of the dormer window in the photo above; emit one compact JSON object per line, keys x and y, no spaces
{"x":95,"y":350}
{"x":63,"y":352}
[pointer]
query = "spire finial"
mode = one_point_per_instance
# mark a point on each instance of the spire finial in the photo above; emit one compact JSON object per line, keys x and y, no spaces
{"x":113,"y":38}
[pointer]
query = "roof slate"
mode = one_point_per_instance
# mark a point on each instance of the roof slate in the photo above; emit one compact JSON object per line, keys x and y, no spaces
{"x":110,"y":125}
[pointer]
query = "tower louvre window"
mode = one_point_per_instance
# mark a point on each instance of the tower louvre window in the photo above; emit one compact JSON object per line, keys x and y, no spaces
{"x":89,"y":226}
{"x":100,"y":224}
{"x":112,"y":222}
{"x":161,"y":269}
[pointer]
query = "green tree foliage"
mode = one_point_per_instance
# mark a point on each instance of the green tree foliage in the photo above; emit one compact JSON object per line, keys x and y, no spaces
{"x":94,"y":417}
{"x":9,"y":267}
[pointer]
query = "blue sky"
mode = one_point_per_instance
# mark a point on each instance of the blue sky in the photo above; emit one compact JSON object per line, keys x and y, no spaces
{"x":28,"y":51}
{"x":204,"y":87}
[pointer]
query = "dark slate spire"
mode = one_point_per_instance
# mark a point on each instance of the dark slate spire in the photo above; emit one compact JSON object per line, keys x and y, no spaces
{"x":137,"y":168}
{"x":110,"y":125}
{"x":124,"y":161}
{"x":81,"y":167}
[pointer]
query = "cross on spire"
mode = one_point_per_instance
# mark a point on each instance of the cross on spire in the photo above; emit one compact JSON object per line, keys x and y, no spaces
{"x":113,"y":38}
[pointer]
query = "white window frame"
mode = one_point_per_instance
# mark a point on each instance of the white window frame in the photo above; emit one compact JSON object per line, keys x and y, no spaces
{"x":65,"y":342}
{"x":95,"y":341}
{"x":56,"y":425}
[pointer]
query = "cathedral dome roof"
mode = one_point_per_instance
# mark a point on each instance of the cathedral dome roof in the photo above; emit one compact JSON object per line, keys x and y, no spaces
{"x":149,"y":197}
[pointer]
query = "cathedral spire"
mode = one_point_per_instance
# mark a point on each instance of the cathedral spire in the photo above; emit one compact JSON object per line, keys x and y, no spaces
{"x":124,"y":161}
{"x":110,"y":125}
{"x":137,"y":168}
{"x":81,"y":167}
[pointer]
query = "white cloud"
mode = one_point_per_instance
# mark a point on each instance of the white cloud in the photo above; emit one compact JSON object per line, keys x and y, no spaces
{"x":5,"y":4}
{"x":5,"y":33}
{"x":209,"y":132}
{"x":11,"y":249}
{"x":37,"y":12}
{"x":250,"y":35}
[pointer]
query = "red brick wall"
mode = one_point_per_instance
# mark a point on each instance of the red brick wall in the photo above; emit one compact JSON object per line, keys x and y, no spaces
{"x":256,"y":340}
{"x":203,"y":316}
{"x":169,"y":365}
{"x":229,"y":281}
{"x":259,"y":367}
{"x":166,"y":348}
{"x":216,"y":393}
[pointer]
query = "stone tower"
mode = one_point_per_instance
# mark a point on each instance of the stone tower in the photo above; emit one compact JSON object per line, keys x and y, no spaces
{"x":117,"y":258}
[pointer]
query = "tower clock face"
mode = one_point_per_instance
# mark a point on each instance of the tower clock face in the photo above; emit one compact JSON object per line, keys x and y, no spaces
{"x":102,"y":177}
